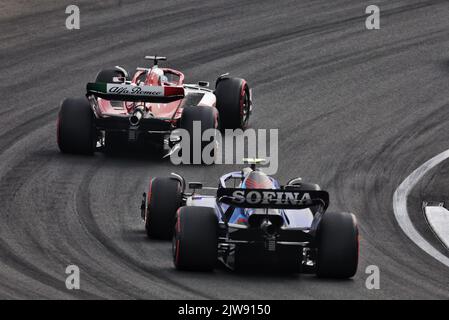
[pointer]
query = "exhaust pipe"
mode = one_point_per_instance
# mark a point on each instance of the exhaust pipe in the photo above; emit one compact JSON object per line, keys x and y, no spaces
{"x":137,"y":115}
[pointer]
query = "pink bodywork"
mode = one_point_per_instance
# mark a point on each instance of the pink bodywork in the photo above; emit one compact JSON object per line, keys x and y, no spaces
{"x":170,"y":110}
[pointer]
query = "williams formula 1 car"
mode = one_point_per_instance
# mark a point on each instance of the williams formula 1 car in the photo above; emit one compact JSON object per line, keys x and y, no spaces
{"x":251,"y":221}
{"x":147,"y":107}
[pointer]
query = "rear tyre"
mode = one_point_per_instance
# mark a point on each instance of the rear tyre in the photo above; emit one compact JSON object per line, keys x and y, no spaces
{"x":164,"y":199}
{"x":207,"y":117}
{"x":233,"y":103}
{"x":195,"y":241}
{"x":338,"y":246}
{"x":108,"y":75}
{"x":75,"y":128}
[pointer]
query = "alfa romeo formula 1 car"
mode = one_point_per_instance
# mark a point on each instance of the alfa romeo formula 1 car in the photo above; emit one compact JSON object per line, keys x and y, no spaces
{"x":147,"y":107}
{"x":251,"y":221}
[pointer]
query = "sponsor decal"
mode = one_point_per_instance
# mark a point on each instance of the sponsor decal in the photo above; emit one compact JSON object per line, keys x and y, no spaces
{"x":272,"y":198}
{"x":256,"y":197}
{"x":134,"y":90}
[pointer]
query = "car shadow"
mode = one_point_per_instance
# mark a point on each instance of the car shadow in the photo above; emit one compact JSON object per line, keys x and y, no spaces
{"x":136,"y":236}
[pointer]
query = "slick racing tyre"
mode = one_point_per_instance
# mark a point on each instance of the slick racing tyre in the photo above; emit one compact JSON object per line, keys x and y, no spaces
{"x":164,"y":199}
{"x":195,"y":241}
{"x":75,"y":127}
{"x":233,"y":103}
{"x":338,"y":245}
{"x":207,"y":117}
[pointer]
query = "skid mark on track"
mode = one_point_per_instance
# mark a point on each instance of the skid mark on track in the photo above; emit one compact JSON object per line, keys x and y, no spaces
{"x":85,"y":214}
{"x":371,"y":176}
{"x":18,"y":176}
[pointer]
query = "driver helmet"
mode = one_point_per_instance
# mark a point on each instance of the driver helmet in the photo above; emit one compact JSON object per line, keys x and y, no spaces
{"x":257,"y":180}
{"x":157,"y":76}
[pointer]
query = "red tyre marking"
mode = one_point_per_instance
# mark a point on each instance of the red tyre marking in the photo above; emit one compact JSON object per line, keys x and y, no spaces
{"x":178,"y":231}
{"x":216,"y":118}
{"x":242,"y":96}
{"x":149,"y":190}
{"x":177,"y":253}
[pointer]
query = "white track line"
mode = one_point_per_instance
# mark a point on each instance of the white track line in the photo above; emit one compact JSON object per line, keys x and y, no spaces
{"x":400,"y":206}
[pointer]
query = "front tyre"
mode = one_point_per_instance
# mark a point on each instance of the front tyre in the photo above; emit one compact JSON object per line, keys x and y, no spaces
{"x":75,"y":127}
{"x":195,"y":241}
{"x":337,"y":245}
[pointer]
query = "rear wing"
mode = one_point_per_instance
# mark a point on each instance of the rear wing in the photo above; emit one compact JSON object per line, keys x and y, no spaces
{"x":128,"y":92}
{"x":276,"y":198}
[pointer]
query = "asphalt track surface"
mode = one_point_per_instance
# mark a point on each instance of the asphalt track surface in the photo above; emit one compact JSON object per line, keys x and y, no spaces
{"x":357,"y":111}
